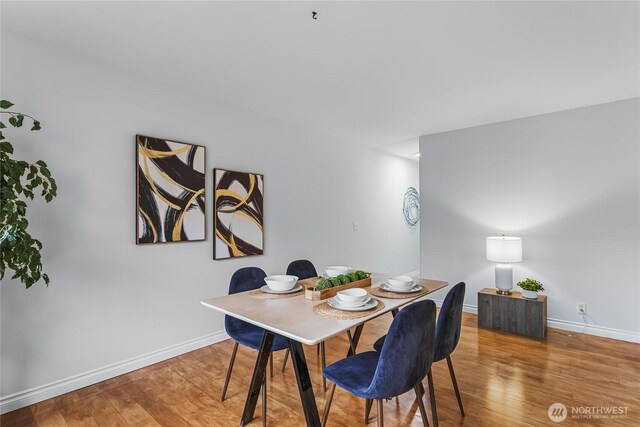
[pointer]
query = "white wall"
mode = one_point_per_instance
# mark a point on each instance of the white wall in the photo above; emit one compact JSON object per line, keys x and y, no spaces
{"x":110,"y":300}
{"x":568,"y":183}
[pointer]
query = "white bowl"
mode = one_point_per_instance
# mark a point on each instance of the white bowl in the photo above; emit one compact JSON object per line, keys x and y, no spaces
{"x":352,"y":304}
{"x":400,"y":282}
{"x":281,"y":282}
{"x":353,"y":295}
{"x":336,"y":270}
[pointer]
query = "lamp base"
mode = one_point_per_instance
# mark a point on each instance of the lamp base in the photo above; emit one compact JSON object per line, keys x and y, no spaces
{"x":504,"y":279}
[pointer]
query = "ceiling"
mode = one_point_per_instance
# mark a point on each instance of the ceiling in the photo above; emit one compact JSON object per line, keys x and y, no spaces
{"x":407,"y":148}
{"x":371,"y":73}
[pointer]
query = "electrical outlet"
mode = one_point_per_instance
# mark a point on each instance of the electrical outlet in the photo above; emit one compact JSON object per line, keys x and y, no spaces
{"x":582,"y":308}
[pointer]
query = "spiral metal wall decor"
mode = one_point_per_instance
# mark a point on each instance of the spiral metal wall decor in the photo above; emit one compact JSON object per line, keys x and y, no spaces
{"x":411,"y":206}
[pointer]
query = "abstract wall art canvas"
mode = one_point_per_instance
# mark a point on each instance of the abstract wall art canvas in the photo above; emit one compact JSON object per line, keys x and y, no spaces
{"x":239,"y":216}
{"x":170,"y":191}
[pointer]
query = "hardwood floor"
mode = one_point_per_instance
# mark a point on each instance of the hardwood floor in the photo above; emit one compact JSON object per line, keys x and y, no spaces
{"x":505,"y":380}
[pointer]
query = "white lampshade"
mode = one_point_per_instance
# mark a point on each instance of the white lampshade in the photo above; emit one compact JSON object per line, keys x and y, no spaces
{"x":504,"y":249}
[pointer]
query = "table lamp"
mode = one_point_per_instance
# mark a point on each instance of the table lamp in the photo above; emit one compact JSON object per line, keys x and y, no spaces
{"x":504,"y":250}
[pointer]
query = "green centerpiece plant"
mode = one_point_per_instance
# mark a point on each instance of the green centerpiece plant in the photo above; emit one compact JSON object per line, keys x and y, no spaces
{"x":343,"y":279}
{"x":20,"y":180}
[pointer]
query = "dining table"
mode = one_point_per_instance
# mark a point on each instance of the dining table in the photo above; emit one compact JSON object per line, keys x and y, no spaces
{"x":294,"y":318}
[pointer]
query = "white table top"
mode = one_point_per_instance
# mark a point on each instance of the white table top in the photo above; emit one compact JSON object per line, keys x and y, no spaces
{"x":294,"y":318}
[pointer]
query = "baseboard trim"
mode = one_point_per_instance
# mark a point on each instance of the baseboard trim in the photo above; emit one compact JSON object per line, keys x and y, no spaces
{"x":583,"y":328}
{"x":600,"y":331}
{"x":38,"y":394}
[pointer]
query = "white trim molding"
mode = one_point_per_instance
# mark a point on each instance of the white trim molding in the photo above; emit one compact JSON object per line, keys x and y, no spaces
{"x":589,"y":329}
{"x":582,"y":328}
{"x":47,"y":391}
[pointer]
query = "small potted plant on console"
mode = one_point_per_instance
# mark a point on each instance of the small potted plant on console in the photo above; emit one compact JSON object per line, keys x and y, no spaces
{"x":530,"y":288}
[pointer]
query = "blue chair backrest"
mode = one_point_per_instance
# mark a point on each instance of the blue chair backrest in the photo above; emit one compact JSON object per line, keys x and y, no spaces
{"x":449,"y":322}
{"x":407,"y":353}
{"x":245,"y":279}
{"x":302,"y":268}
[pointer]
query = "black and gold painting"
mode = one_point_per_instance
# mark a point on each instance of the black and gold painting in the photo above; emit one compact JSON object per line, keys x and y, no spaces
{"x":170,"y":191}
{"x":238,"y":219}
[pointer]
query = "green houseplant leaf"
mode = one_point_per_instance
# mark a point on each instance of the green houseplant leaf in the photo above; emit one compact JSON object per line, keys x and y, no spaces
{"x":20,"y":252}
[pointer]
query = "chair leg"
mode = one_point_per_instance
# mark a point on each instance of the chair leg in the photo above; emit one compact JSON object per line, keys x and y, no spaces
{"x":367,"y":410}
{"x":327,"y":405}
{"x":423,"y":411}
{"x":229,"y":369}
{"x":271,"y":365}
{"x":264,"y":402}
{"x":286,"y":357}
{"x":432,"y":398}
{"x":380,"y":414}
{"x":455,"y":384}
{"x":324,"y":365}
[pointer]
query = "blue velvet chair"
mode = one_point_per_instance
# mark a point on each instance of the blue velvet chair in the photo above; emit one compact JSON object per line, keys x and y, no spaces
{"x":447,"y":336}
{"x":404,"y":360}
{"x":244,"y":333}
{"x":302,"y":268}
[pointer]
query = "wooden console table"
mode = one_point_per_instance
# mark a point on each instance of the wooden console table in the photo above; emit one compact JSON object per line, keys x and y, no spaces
{"x":512,"y":313}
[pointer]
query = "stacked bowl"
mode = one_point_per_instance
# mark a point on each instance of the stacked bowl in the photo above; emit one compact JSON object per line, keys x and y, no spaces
{"x":400,"y":283}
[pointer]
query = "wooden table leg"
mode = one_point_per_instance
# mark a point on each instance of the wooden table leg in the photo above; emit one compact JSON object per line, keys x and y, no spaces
{"x":324,"y":365}
{"x":356,"y":338}
{"x":304,"y":384}
{"x":259,"y":373}
{"x":351,"y":344}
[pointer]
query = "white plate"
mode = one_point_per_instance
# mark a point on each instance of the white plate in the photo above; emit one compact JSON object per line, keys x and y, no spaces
{"x":413,"y":289}
{"x":352,"y":304}
{"x":368,"y":306}
{"x":268,"y":290}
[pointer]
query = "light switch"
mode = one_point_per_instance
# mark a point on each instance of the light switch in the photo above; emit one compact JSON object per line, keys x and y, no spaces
{"x":356,"y":226}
